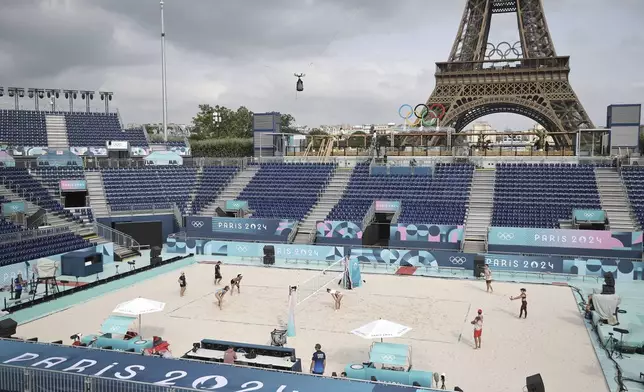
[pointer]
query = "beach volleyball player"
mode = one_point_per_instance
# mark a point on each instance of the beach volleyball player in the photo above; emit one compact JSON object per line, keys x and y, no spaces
{"x":337,"y":298}
{"x":235,"y":283}
{"x":219,"y":295}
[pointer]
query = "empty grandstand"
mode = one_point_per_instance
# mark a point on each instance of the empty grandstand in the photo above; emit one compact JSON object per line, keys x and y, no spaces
{"x":149,"y":188}
{"x":286,"y":191}
{"x":540,"y":195}
{"x":437,"y":199}
{"x":95,"y":129}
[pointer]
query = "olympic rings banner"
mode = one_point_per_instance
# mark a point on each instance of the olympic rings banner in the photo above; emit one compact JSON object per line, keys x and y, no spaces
{"x":425,"y":115}
{"x":425,"y":236}
{"x":248,"y":229}
{"x":596,"y":216}
{"x":596,"y":243}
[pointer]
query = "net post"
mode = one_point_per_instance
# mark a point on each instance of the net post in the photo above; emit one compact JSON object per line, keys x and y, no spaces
{"x":292,"y":303}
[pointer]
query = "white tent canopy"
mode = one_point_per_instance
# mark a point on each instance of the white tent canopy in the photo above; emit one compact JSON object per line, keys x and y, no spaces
{"x":381,"y":329}
{"x":138,"y":307}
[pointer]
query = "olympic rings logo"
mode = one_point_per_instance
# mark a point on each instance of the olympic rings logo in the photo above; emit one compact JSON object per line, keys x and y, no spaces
{"x":457,"y":260}
{"x":503,"y":51}
{"x":241,"y":248}
{"x":428,"y":116}
{"x":388,"y":357}
{"x":589,"y":214}
{"x":197,"y":224}
{"x":505,"y":236}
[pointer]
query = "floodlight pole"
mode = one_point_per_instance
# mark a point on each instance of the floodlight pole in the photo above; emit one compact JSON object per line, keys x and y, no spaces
{"x":163,"y":78}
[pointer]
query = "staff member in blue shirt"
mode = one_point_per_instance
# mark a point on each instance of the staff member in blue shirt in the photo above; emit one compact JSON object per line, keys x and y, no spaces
{"x":318,"y":362}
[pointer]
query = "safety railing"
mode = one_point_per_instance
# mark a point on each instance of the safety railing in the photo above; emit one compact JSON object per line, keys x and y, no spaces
{"x":293,"y":233}
{"x":177,"y":214}
{"x":29,"y":234}
{"x":115,"y":236}
{"x":371,"y":212}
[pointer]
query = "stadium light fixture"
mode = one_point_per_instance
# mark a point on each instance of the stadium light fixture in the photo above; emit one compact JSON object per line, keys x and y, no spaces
{"x":53,"y":95}
{"x":16,"y":93}
{"x":71,"y":95}
{"x":36,"y":94}
{"x":106,"y":96}
{"x":87,"y":95}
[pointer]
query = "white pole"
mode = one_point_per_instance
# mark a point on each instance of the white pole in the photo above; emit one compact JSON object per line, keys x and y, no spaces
{"x":163,"y":78}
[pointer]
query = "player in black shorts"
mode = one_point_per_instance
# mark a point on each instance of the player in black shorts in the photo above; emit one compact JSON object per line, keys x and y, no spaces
{"x":182,"y":284}
{"x":235,"y":283}
{"x":218,"y":276}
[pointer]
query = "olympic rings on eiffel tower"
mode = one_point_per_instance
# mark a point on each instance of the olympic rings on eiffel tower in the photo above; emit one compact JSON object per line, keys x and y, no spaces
{"x":427,"y":115}
{"x":503,"y":51}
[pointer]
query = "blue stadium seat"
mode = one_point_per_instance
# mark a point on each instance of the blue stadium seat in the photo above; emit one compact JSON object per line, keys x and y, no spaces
{"x":286,"y":190}
{"x":633,"y":177}
{"x":34,"y":248}
{"x":20,"y":128}
{"x":440,"y":199}
{"x":539,"y":195}
{"x":95,"y":129}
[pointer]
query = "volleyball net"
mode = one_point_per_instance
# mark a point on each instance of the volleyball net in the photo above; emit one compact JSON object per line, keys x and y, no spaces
{"x":334,"y":274}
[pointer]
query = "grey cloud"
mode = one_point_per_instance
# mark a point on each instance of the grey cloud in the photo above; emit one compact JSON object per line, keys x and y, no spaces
{"x":249,"y":49}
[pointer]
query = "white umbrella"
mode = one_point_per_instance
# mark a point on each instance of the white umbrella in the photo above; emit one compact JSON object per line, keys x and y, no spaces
{"x":381,"y":329}
{"x":139,"y":306}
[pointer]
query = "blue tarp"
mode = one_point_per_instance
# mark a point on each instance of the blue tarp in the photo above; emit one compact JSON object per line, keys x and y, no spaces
{"x":117,"y":324}
{"x":389,"y":354}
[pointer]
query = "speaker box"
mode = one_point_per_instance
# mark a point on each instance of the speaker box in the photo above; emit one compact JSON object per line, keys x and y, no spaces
{"x":7,"y":328}
{"x":534,"y":383}
{"x":269,"y":260}
{"x":155,"y":260}
{"x":269,"y":250}
{"x":220,"y":212}
{"x":479,"y":263}
{"x":155,"y":251}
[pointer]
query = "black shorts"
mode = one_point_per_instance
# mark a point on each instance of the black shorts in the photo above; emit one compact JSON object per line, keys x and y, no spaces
{"x":217,"y":276}
{"x":488,"y":281}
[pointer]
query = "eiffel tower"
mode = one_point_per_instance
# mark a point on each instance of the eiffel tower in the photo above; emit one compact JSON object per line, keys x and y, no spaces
{"x":526,"y":78}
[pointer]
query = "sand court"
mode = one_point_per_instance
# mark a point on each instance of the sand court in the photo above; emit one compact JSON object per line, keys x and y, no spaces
{"x":552,"y":341}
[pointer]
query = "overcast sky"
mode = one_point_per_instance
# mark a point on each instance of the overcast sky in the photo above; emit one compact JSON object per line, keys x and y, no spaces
{"x":362,"y":58}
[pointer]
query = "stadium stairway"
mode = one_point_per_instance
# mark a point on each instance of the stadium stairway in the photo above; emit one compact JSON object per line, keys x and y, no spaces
{"x":331,"y":196}
{"x":53,"y":220}
{"x":195,"y":189}
{"x":96,"y":193}
{"x":479,"y":213}
{"x":232,"y":191}
{"x":56,"y":131}
{"x":614,"y":199}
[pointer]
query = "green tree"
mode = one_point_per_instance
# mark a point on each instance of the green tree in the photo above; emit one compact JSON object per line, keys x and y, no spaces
{"x":287,"y":124}
{"x":358,"y":139}
{"x":241,"y":123}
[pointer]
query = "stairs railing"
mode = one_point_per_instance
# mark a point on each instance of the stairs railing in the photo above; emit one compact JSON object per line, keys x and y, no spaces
{"x":115,"y":236}
{"x":177,"y":214}
{"x":368,"y":218}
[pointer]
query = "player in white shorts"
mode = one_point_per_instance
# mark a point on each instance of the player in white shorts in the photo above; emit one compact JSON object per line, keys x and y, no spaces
{"x":337,"y":297}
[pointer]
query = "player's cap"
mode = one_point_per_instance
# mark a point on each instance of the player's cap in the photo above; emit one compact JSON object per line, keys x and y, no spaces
{"x":318,"y":346}
{"x":480,"y":311}
{"x":522,"y":289}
